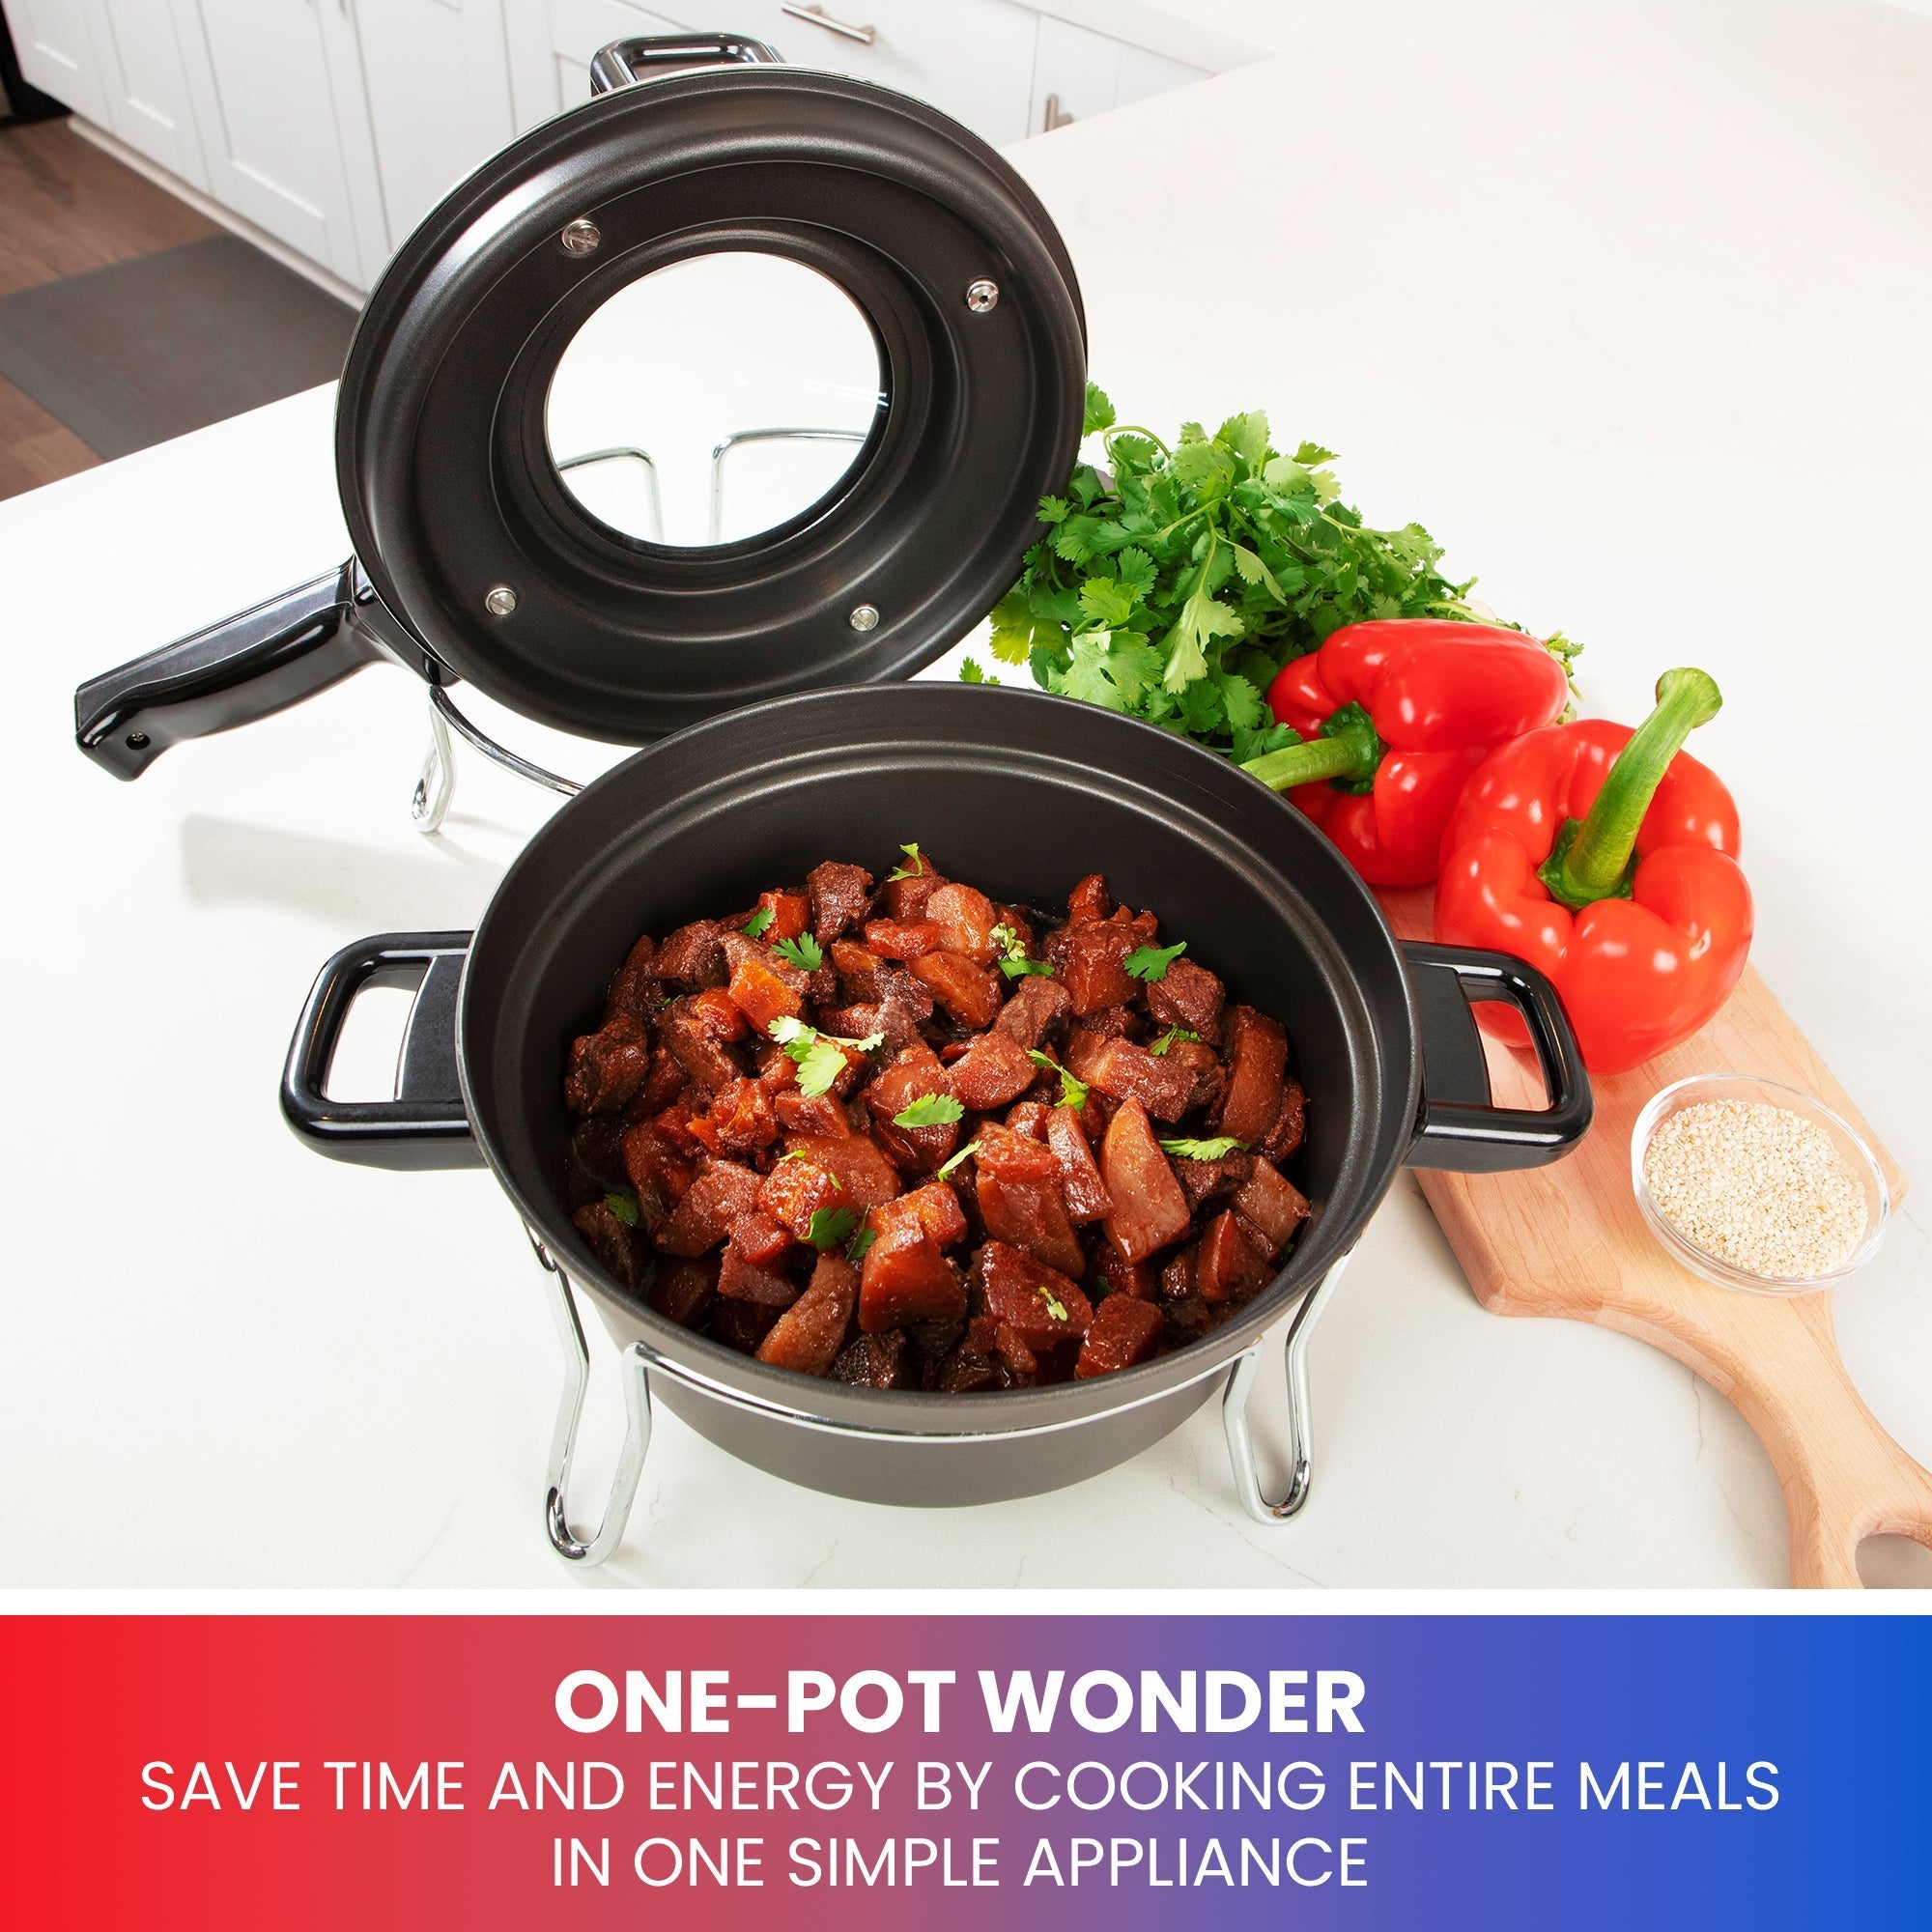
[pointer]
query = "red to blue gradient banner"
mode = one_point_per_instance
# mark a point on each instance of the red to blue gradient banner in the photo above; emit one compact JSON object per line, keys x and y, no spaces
{"x":1064,"y":1772}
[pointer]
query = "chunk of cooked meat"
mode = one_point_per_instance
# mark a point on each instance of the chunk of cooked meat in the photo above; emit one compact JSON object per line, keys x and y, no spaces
{"x":1289,"y":1124}
{"x":965,"y":918}
{"x":692,"y":1034}
{"x":797,"y":1189}
{"x":905,"y":1275}
{"x":1271,"y":1208}
{"x":721,"y":1193}
{"x":1018,"y":1185}
{"x":913,"y":1074}
{"x":907,"y":897}
{"x":666,"y":1082}
{"x":1257,"y":1055}
{"x":660,"y":1163}
{"x":753,"y":1268}
{"x":965,"y":1371}
{"x":1203,"y":1181}
{"x":1036,"y":1006}
{"x":1187,"y":995}
{"x":1227,"y":1266}
{"x":612,"y":1241}
{"x":810,"y":1333}
{"x":739,"y":1122}
{"x":690,"y":958}
{"x":854,"y":1160}
{"x":902,"y":1006}
{"x":608,"y":1066}
{"x":1124,"y":1331}
{"x":1089,"y":957}
{"x":873,"y":1361}
{"x":901,"y":939}
{"x":1107,"y":1274}
{"x":742,"y":1324}
{"x":1150,"y":1209}
{"x":856,"y":969}
{"x":1130,"y":1073}
{"x":1204,"y":1067}
{"x":840,"y":897}
{"x":1089,"y":899}
{"x":636,"y":990}
{"x":810,"y":1113}
{"x":597,"y":1155}
{"x":685,"y":1290}
{"x":1038,"y":1303}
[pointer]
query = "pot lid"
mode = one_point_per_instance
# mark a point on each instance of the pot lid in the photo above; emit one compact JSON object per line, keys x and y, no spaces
{"x":862,"y":278}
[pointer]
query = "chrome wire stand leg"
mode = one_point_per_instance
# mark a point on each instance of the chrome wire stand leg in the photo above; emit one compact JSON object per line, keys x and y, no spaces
{"x":438,"y":784}
{"x":610,"y":1532}
{"x":1234,"y":1410}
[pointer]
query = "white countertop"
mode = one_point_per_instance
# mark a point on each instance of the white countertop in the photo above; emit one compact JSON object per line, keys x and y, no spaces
{"x":1630,"y":307}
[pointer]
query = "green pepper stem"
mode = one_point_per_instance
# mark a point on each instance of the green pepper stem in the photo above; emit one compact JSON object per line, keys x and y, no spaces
{"x":1599,"y":856}
{"x":1305,"y":763}
{"x":1348,"y":749}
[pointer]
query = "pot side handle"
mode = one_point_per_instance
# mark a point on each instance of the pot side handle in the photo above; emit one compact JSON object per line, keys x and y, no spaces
{"x":1460,"y":1129}
{"x":425,"y":1125}
{"x":247,"y":667}
{"x":625,"y":63}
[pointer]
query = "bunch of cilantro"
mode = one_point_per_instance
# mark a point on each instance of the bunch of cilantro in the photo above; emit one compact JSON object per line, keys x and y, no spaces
{"x":1174,"y":584}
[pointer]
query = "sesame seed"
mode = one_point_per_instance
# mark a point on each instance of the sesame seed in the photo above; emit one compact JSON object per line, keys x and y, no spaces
{"x":1759,"y":1187}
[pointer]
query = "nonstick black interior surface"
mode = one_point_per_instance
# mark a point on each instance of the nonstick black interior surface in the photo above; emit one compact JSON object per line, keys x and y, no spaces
{"x":1018,"y":793}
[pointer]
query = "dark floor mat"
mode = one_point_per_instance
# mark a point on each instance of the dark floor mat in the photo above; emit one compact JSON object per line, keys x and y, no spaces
{"x":142,"y":350}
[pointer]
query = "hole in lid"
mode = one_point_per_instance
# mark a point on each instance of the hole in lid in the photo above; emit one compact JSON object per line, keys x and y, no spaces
{"x":370,"y":1045}
{"x":1894,"y":1563}
{"x":714,"y":399}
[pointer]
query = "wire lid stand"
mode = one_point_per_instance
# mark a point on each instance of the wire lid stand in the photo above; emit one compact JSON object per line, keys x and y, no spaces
{"x":435,"y":784}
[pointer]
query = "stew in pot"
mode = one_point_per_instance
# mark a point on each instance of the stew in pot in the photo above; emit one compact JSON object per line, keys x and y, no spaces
{"x":900,"y":1135}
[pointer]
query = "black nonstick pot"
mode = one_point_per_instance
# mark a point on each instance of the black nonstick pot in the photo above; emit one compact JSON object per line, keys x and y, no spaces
{"x":1018,"y":793}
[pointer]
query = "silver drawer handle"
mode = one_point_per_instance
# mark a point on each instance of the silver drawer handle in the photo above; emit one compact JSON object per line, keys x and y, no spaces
{"x":817,"y":17}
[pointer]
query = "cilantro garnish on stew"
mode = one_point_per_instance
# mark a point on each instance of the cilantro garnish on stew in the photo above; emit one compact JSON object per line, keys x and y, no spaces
{"x":1150,"y":962}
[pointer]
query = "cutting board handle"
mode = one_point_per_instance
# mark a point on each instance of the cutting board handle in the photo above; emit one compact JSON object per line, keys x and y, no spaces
{"x":1777,"y":1360}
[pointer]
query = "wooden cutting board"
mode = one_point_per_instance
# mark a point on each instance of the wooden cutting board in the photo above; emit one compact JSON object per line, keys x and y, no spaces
{"x":1568,"y":1240}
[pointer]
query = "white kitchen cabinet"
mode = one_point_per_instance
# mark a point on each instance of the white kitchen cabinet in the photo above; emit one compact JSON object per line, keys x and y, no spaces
{"x":972,"y":58}
{"x":578,"y":28}
{"x":437,"y":80}
{"x":337,"y":125}
{"x":258,"y":73}
{"x":148,"y":105}
{"x":1078,"y":74}
{"x":57,"y":53}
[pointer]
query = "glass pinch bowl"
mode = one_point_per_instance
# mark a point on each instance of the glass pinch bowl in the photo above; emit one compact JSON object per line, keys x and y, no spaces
{"x":1720,"y":1087}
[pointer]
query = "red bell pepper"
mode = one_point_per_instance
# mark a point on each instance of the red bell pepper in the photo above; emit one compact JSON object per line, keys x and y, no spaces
{"x":1607,"y":858}
{"x":1395,"y":714}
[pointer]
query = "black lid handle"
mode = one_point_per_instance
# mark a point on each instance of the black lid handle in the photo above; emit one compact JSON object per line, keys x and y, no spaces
{"x":425,"y":1125}
{"x":247,"y":667}
{"x":1461,"y":1129}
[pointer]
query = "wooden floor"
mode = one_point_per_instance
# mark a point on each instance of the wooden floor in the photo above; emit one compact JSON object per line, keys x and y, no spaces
{"x":66,"y":207}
